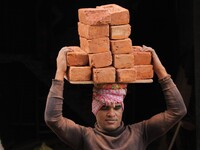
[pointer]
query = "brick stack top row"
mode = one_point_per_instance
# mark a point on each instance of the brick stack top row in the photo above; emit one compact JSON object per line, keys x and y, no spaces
{"x":106,"y":53}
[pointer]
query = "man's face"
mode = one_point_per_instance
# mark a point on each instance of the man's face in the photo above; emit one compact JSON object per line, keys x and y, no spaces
{"x":109,"y":117}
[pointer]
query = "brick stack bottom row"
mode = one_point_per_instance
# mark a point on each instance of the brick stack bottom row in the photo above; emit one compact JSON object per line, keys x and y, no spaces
{"x":124,"y":68}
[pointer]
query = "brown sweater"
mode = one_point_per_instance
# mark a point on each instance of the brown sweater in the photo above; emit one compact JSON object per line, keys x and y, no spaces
{"x":131,"y":137}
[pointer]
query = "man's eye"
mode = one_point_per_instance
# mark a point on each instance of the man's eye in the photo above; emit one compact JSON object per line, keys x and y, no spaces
{"x":118,"y":107}
{"x":104,"y":108}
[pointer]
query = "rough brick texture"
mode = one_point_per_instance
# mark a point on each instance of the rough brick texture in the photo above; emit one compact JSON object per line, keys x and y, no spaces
{"x":104,"y":75}
{"x":100,"y":59}
{"x":144,"y":71}
{"x":119,"y":15}
{"x":94,"y":16}
{"x":120,"y":32}
{"x":121,"y":46}
{"x":126,"y":75}
{"x":123,"y":61}
{"x":141,"y":57}
{"x":97,"y":45}
{"x":93,"y":32}
{"x":77,"y":57}
{"x":82,"y":73}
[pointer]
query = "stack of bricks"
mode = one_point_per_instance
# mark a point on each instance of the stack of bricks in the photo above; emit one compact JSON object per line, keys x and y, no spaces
{"x":106,"y":54}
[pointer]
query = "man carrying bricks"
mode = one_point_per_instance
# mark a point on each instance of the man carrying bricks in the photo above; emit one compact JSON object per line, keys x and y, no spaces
{"x":107,"y":105}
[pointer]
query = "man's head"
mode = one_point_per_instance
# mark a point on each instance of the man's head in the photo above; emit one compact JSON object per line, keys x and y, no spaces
{"x":108,"y":106}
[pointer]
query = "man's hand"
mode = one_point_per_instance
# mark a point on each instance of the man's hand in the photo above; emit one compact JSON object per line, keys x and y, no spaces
{"x":61,"y":64}
{"x":159,"y":69}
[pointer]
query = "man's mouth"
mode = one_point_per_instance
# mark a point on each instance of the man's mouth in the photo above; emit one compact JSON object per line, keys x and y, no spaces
{"x":111,"y":121}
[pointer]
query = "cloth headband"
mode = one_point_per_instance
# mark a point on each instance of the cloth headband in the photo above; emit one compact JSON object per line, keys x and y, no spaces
{"x":106,"y":94}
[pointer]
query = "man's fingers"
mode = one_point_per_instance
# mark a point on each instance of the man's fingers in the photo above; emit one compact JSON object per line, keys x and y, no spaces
{"x":148,"y":49}
{"x":64,"y":50}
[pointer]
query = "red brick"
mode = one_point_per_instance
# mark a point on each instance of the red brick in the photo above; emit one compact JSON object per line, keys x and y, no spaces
{"x":77,"y":57}
{"x":104,"y":75}
{"x":123,"y":61}
{"x":94,"y":16}
{"x":100,"y":59}
{"x":97,"y":45}
{"x":119,"y":15}
{"x":144,"y":71}
{"x":121,"y":46}
{"x":120,"y":31}
{"x":82,"y":73}
{"x":126,"y":75}
{"x":93,"y":32}
{"x":141,"y":57}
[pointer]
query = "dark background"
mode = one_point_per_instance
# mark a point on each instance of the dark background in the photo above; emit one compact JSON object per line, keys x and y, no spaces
{"x":32,"y":33}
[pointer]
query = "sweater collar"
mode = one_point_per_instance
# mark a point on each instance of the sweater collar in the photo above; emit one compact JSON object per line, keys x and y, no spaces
{"x":116,"y":132}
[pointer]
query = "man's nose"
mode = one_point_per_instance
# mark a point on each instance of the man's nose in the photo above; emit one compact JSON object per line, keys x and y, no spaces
{"x":111,"y":112}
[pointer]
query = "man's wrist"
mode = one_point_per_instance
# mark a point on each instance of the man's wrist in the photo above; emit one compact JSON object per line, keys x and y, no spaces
{"x":161,"y":73}
{"x":60,"y":75}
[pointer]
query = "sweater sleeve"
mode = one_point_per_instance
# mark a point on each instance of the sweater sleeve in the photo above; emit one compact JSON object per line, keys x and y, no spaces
{"x":65,"y":129}
{"x":176,"y":110}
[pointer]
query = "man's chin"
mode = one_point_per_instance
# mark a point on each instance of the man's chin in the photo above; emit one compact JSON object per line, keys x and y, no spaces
{"x":111,"y":127}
